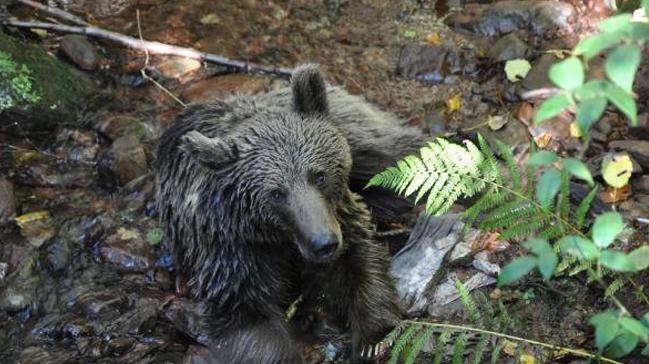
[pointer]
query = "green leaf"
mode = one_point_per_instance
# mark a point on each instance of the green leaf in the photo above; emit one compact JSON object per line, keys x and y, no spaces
{"x":581,"y":248}
{"x":578,"y":169}
{"x":606,"y":329}
{"x":617,"y":261}
{"x":622,"y":64}
{"x":154,"y":236}
{"x":645,"y":5}
{"x":547,"y":264}
{"x":548,"y":186}
{"x":552,"y":107}
{"x":542,"y":157}
{"x":591,"y":89}
{"x":591,"y":46}
{"x":604,"y":317}
{"x":623,"y":101}
{"x":538,"y":246}
{"x":635,"y":327}
{"x":645,"y":319}
{"x":640,"y":257}
{"x":567,"y":74}
{"x":645,"y":351}
{"x":622,"y":345}
{"x":516,"y":269}
{"x":589,"y":111}
{"x":606,"y":227}
{"x":614,"y":23}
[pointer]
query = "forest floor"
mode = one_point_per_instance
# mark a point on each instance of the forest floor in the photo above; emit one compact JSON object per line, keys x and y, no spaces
{"x":83,"y":273}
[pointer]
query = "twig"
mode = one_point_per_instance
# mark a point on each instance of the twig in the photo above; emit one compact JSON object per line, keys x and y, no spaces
{"x":541,"y":92}
{"x":153,"y":47}
{"x":63,"y":15}
{"x":146,"y":65}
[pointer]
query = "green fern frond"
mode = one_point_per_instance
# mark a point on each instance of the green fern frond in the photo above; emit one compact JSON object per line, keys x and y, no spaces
{"x":495,"y":353}
{"x":440,"y":345}
{"x":613,"y":287}
{"x":402,"y":341}
{"x":479,"y":350}
{"x":584,"y":206}
{"x":458,"y":349}
{"x":421,"y":340}
{"x":467,"y":302}
{"x":444,"y":171}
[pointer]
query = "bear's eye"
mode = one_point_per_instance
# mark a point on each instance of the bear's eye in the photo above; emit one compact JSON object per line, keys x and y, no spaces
{"x":277,"y":194}
{"x":319,"y":178}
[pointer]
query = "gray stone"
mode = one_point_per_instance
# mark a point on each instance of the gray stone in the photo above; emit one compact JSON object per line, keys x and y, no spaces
{"x":7,"y":201}
{"x":124,"y":161}
{"x":508,"y":47}
{"x":432,"y":63}
{"x":80,"y":51}
{"x":638,"y":149}
{"x":640,"y":183}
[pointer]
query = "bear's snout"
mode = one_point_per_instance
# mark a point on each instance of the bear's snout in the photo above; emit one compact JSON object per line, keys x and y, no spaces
{"x":325,"y":246}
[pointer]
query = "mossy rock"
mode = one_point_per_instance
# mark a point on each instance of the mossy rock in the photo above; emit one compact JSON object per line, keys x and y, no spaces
{"x":61,"y":90}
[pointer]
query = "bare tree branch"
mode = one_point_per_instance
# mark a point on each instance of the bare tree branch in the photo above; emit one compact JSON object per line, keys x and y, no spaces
{"x":150,"y":46}
{"x":63,"y":15}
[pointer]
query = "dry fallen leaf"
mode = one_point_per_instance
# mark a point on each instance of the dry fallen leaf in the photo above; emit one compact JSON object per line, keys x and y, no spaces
{"x":617,"y":169}
{"x":574,"y":130}
{"x":517,"y":69}
{"x":612,"y":195}
{"x":453,"y":104}
{"x":434,"y":39}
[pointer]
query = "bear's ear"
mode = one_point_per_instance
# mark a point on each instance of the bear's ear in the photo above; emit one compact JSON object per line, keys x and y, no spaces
{"x":214,"y":153}
{"x":309,"y":90}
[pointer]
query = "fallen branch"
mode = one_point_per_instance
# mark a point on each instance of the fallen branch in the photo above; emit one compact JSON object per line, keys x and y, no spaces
{"x":542,"y":93}
{"x":150,"y":46}
{"x":63,"y":15}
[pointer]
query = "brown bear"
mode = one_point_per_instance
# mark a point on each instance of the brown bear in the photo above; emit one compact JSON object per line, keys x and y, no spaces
{"x":254,"y":199}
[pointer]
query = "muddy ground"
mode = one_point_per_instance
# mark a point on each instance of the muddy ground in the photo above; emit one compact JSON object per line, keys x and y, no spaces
{"x":84,"y":273}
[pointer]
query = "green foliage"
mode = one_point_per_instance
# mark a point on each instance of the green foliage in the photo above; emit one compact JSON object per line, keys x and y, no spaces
{"x":411,"y":337}
{"x":15,"y":84}
{"x":622,"y":41}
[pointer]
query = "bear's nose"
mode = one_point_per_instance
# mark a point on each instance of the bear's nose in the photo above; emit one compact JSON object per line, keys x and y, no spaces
{"x":324,"y":245}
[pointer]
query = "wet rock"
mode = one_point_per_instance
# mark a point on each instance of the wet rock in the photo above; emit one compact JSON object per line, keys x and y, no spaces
{"x":80,"y":51}
{"x":638,"y":149}
{"x":222,"y":87}
{"x":4,"y":269}
{"x":55,"y":255}
{"x":140,"y":320}
{"x":77,"y":328}
{"x":36,"y":226}
{"x":503,"y":17}
{"x":63,"y":90}
{"x":176,"y":67}
{"x":44,"y":355}
{"x":123,"y":162}
{"x":128,"y":250}
{"x":187,"y":317}
{"x":508,"y":47}
{"x":641,"y":183}
{"x":537,"y":77}
{"x":96,"y":303}
{"x":19,"y":294}
{"x":117,"y":125}
{"x":64,"y":175}
{"x":7,"y":201}
{"x":433,"y":63}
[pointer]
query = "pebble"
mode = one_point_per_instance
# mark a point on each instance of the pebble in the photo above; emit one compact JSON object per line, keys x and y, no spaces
{"x":80,"y":51}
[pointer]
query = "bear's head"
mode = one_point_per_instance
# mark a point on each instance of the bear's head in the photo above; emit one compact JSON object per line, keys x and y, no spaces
{"x":283,"y":170}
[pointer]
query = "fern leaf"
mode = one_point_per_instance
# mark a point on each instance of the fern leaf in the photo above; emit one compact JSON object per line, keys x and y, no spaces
{"x":495,"y":353}
{"x":468,"y":303}
{"x":440,"y":344}
{"x":613,"y":287}
{"x":479,"y":349}
{"x":458,"y":349}
{"x":421,"y":340}
{"x":564,"y":194}
{"x":401,"y":343}
{"x":584,"y":206}
{"x":514,"y":171}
